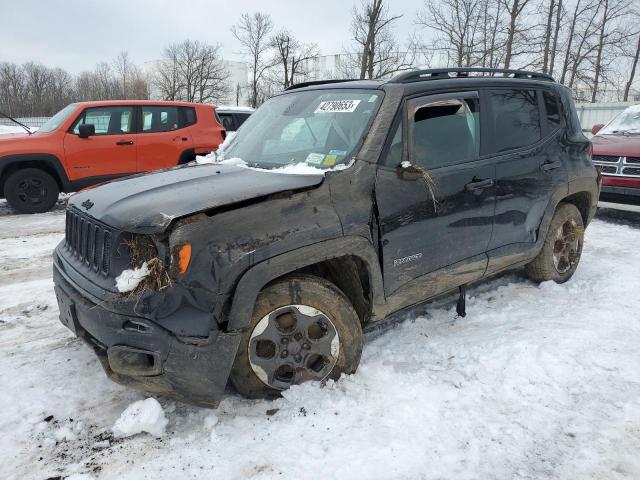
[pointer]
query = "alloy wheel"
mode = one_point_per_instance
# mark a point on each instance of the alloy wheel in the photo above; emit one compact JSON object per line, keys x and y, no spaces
{"x":293,"y":344}
{"x":567,"y":246}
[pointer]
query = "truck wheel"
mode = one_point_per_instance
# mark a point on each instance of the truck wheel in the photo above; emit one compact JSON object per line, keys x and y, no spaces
{"x":303,"y":328}
{"x":31,"y":190}
{"x":560,"y":254}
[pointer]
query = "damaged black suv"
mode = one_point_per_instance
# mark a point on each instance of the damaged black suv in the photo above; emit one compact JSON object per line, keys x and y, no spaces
{"x":336,"y":204}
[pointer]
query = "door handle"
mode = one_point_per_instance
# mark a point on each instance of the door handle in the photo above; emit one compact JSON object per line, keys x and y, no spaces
{"x":124,"y":142}
{"x":546,"y":167}
{"x":184,"y":139}
{"x":479,"y":185}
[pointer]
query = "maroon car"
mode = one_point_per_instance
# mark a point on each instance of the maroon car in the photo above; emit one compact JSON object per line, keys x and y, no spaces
{"x":616,"y":151}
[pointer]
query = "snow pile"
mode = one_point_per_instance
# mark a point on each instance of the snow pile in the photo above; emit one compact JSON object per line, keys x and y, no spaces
{"x":141,"y":416}
{"x":129,"y":280}
{"x":4,"y":129}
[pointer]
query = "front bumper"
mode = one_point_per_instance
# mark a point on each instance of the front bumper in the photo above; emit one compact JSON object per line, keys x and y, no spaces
{"x":139,"y":353}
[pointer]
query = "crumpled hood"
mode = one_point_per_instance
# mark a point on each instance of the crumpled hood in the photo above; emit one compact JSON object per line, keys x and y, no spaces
{"x":148,"y":203}
{"x":616,"y":145}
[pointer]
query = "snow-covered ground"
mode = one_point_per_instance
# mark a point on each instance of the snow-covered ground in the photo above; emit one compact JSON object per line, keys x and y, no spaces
{"x":537,"y":382}
{"x":4,"y":129}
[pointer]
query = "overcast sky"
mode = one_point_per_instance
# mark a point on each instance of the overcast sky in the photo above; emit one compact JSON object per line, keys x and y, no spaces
{"x":77,"y":34}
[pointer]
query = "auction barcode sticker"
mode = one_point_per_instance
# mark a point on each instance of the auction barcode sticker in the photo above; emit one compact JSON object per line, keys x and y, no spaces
{"x":337,"y":106}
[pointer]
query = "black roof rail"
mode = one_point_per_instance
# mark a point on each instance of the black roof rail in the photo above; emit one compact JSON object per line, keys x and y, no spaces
{"x":461,"y":72}
{"x":318,"y":82}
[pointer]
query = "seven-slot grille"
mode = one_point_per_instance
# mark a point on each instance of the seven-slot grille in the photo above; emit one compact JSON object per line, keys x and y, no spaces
{"x":618,"y":166}
{"x":89,"y":241}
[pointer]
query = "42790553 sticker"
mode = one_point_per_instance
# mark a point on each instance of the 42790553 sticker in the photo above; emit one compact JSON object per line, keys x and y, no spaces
{"x":337,"y":106}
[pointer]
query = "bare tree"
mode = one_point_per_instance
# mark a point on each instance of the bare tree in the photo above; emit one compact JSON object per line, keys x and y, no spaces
{"x":291,"y":57}
{"x":166,"y":75}
{"x":123,"y":67}
{"x":634,"y":64}
{"x":252,"y":31}
{"x":517,"y":31}
{"x":556,"y":33}
{"x":379,"y":51}
{"x":12,"y":89}
{"x":612,"y":33}
{"x":457,"y":24}
{"x":192,"y":71}
{"x":493,"y":30}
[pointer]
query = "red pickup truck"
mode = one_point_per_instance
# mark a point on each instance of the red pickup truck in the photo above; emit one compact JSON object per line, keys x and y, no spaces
{"x":92,"y":142}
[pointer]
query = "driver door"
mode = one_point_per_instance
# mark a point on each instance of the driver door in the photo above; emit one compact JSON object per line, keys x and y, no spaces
{"x":111,"y":152}
{"x":435,"y":233}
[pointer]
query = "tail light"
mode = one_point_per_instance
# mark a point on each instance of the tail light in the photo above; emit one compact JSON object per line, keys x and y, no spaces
{"x":590,"y":151}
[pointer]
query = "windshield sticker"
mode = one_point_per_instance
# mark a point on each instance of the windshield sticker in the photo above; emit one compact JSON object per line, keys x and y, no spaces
{"x":315,"y":158}
{"x":373,"y":98}
{"x":339,"y":153}
{"x":330,"y":160}
{"x":337,"y":106}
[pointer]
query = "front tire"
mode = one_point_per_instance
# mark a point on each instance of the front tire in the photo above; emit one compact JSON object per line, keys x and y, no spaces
{"x":562,"y":248}
{"x":303,"y":328}
{"x":31,"y":190}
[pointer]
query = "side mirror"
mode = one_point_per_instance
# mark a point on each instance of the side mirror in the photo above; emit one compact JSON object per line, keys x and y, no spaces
{"x":596,"y":128}
{"x":86,"y":130}
{"x":406,"y":171}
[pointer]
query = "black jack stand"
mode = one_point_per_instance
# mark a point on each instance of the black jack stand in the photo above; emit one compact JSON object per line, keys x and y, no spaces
{"x":462,"y":300}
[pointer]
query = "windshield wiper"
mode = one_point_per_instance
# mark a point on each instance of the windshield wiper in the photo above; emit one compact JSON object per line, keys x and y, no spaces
{"x":17,"y":122}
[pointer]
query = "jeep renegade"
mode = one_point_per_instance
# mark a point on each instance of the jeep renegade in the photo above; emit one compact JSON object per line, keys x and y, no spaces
{"x":92,"y":142}
{"x":422,"y":184}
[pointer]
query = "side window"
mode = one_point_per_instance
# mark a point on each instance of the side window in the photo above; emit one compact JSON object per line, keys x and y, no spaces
{"x":106,"y":120}
{"x":444,"y":132}
{"x":393,"y":156}
{"x":159,"y":119}
{"x":516,"y":118}
{"x":552,"y":109}
{"x":227,"y":121}
{"x":241,"y":118}
{"x":189,"y":116}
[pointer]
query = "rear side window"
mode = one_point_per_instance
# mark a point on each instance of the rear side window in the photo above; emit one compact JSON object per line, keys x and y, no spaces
{"x":444,"y":132}
{"x":106,"y":120}
{"x":159,"y":119}
{"x":516,"y":118}
{"x":188,"y":116}
{"x":227,"y":121}
{"x":552,"y":109}
{"x":241,"y":118}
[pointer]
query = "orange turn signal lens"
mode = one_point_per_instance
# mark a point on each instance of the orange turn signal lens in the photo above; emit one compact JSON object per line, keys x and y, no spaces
{"x":184,"y":257}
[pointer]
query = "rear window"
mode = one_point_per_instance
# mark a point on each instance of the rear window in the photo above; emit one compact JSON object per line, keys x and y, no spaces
{"x":516,"y":118}
{"x":188,"y":116}
{"x":159,"y":119}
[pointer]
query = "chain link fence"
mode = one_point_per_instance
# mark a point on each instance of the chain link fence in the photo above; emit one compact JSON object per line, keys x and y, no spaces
{"x":31,"y":122}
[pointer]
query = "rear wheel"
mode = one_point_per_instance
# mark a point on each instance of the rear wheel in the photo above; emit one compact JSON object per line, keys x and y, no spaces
{"x":561,"y":251}
{"x":31,"y":190}
{"x":303,"y":329}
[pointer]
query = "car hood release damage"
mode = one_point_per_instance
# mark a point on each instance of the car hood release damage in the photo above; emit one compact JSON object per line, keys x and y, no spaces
{"x":149,"y":203}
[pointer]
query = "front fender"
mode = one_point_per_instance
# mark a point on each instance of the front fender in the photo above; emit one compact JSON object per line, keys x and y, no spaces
{"x":254,"y":279}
